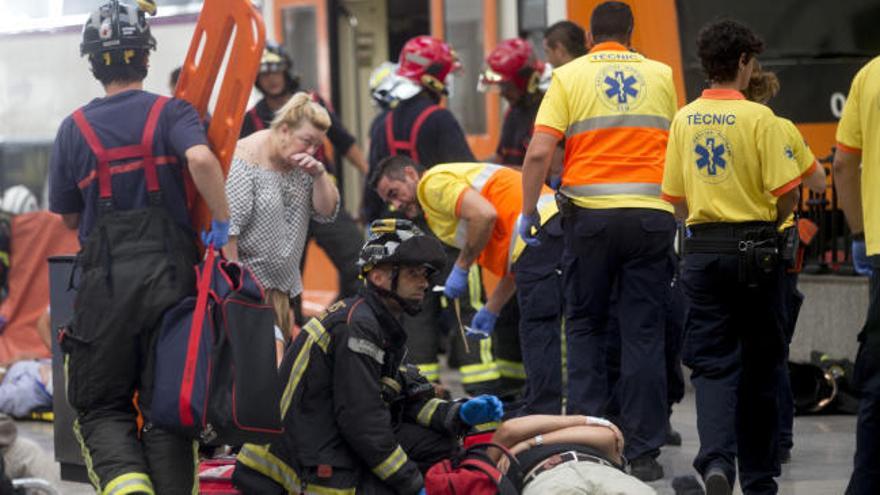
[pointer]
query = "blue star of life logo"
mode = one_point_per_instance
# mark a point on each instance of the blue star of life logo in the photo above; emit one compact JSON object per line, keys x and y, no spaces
{"x":622,"y":86}
{"x":789,"y":153}
{"x":713,"y":156}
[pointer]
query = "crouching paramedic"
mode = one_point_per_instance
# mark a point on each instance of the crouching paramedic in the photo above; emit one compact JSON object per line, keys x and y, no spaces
{"x":356,"y":417}
{"x":475,"y":207}
{"x":117,"y":174}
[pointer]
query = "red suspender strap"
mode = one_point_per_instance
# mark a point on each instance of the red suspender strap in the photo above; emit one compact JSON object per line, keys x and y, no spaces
{"x":103,"y":166}
{"x":414,"y":132}
{"x":256,"y":120}
{"x":195,"y":338}
{"x":150,"y":175}
{"x":393,"y":145}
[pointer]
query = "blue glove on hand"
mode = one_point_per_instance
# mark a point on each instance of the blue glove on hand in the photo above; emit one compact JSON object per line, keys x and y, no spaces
{"x":483,"y":324}
{"x":456,"y":283}
{"x":860,"y":258}
{"x":526,"y":224}
{"x":423,"y":492}
{"x":218,"y":235}
{"x":481,"y":409}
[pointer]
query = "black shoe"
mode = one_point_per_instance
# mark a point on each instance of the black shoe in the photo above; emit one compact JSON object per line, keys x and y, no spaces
{"x":784,"y":455}
{"x":717,"y":483}
{"x":687,"y":485}
{"x":646,"y":468}
{"x":673,"y":437}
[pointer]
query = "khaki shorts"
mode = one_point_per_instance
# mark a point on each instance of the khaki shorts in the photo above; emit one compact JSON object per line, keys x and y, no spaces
{"x":586,"y":478}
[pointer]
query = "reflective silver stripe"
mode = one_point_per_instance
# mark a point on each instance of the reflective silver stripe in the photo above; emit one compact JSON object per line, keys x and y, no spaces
{"x":461,"y":233}
{"x":612,"y":121}
{"x":639,"y":188}
{"x":484,"y":175}
{"x":257,"y":458}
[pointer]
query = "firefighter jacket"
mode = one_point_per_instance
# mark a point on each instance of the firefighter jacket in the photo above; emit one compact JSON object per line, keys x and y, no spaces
{"x":348,"y":388}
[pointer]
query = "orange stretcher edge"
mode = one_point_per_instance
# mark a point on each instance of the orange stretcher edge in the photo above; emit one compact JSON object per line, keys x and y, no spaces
{"x":209,"y":45}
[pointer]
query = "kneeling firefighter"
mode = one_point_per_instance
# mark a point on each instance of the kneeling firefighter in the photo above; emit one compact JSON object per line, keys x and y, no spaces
{"x":356,"y":416}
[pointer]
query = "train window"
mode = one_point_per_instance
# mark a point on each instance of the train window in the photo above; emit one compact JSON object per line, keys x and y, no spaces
{"x":300,"y":33}
{"x":803,"y":43}
{"x":464,"y":31}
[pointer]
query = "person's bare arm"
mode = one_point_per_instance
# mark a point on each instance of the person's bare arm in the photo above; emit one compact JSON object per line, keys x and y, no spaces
{"x":480,"y":216}
{"x":208,"y":179}
{"x":503,"y":292}
{"x":815,"y":181}
{"x":848,"y":182}
{"x":535,"y":167}
{"x":681,"y":210}
{"x":356,"y":157}
{"x":785,"y":204}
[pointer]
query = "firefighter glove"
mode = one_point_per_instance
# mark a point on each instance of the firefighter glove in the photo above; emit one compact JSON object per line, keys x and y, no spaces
{"x":526,"y":224}
{"x":218,"y":235}
{"x":483,"y":324}
{"x":456,"y":283}
{"x":481,"y":409}
{"x":861,"y":263}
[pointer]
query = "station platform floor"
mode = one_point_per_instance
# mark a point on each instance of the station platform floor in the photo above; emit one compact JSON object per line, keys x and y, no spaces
{"x":821,"y":459}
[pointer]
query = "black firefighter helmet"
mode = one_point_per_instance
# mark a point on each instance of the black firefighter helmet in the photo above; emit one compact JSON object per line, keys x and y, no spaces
{"x":116,"y":30}
{"x":399,"y":242}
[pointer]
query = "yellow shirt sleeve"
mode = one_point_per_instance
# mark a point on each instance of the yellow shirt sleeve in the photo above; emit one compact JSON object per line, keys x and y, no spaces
{"x":849,"y":129}
{"x":439,"y":196}
{"x":802,"y":153}
{"x":672,"y":98}
{"x":779,"y":169}
{"x":673,"y":182}
{"x":553,"y":112}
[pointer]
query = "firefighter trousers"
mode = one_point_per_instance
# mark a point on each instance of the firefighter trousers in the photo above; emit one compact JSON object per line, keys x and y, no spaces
{"x":135,"y":264}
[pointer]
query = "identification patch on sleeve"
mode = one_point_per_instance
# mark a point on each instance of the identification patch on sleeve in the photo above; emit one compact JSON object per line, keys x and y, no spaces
{"x":363,"y":346}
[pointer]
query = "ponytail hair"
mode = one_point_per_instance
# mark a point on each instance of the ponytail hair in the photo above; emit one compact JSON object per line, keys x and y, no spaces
{"x":301,"y":108}
{"x":763,"y":86}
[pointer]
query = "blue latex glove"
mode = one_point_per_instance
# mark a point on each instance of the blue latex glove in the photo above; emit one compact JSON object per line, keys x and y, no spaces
{"x":481,"y":409}
{"x":860,"y":259}
{"x":218,"y":235}
{"x":423,"y":492}
{"x":456,"y":283}
{"x":555,"y":182}
{"x":526,"y":224}
{"x":483,"y":324}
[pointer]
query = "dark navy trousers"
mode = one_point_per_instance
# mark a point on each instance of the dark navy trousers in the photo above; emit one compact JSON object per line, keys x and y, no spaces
{"x":866,"y":475}
{"x":627,"y":246}
{"x":539,"y":294}
{"x":793,"y":299}
{"x":734,"y":343}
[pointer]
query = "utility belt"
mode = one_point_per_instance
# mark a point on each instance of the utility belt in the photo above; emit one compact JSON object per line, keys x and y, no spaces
{"x":566,"y":206}
{"x":563,"y":458}
{"x":756,"y":244}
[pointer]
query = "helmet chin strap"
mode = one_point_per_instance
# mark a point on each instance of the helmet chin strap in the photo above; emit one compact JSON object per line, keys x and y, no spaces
{"x":409,"y":306}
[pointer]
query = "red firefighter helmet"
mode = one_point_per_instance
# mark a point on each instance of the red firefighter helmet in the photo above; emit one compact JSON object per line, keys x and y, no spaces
{"x":513,"y":61}
{"x":427,"y":61}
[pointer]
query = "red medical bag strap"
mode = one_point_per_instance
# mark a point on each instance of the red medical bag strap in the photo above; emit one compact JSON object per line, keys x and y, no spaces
{"x":195,"y":338}
{"x":103,"y":166}
{"x":150,"y":175}
{"x":255,"y":118}
{"x":416,"y":128}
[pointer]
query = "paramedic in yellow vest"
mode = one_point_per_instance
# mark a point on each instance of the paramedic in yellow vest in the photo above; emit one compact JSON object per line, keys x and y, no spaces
{"x":858,"y":142}
{"x":474,"y":207}
{"x":730,"y":172}
{"x":764,"y":85}
{"x":613,"y":107}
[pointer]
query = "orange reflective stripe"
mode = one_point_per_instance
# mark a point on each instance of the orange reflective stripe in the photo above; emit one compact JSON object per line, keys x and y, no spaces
{"x":615,"y":156}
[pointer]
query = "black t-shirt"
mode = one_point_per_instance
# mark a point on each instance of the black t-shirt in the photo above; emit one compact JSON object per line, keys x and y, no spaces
{"x":440,"y":140}
{"x":516,"y":131}
{"x":338,"y":135}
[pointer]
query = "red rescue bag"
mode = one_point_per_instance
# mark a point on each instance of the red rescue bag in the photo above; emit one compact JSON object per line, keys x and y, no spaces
{"x":472,"y":472}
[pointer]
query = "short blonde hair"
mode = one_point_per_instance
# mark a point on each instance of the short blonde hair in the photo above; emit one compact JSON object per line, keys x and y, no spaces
{"x":763,"y":85}
{"x":301,"y":108}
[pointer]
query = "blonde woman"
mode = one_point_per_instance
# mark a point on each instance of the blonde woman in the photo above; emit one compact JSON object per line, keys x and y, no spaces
{"x":274,"y":187}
